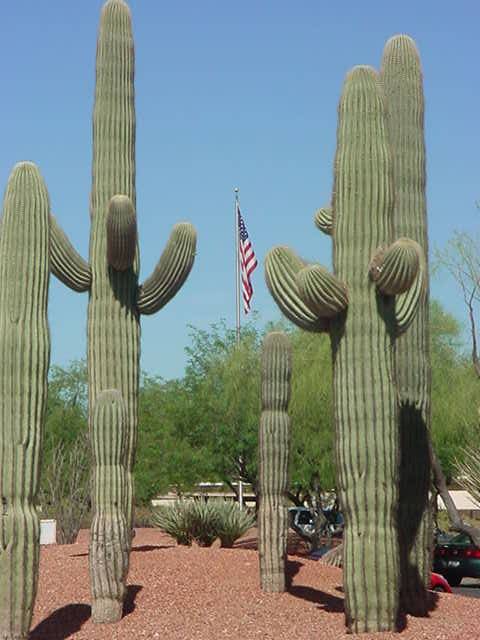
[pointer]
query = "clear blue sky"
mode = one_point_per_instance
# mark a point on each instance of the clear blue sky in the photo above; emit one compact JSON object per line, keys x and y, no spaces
{"x":228,"y":94}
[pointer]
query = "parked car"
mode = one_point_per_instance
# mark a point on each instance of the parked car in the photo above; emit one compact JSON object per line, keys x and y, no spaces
{"x":457,"y":558}
{"x":438,"y":583}
{"x":303,"y":518}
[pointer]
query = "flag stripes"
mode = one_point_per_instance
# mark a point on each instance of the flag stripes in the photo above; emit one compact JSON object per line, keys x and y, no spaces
{"x":247,"y":259}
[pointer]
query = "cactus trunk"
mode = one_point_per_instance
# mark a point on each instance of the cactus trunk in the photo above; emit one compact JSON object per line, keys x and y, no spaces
{"x":24,"y":354}
{"x":365,"y":401}
{"x":273,"y":469}
{"x":402,"y":79}
{"x":113,"y":320}
{"x":109,"y":539}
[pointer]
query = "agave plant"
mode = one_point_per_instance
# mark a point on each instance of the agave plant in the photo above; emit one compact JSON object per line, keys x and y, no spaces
{"x":174,"y":520}
{"x":233,"y":521}
{"x":189,"y":521}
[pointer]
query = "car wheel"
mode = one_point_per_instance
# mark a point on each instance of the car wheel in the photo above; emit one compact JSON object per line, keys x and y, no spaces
{"x":453,"y":580}
{"x":439,"y":588}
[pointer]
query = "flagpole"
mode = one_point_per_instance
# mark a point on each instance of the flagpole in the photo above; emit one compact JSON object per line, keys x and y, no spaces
{"x":237,"y":306}
{"x":237,"y":268}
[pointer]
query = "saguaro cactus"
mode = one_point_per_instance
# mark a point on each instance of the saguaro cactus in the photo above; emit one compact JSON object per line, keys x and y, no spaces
{"x":24,"y":357}
{"x":357,"y":306}
{"x":402,"y":80}
{"x":273,"y":452}
{"x":109,"y":532}
{"x":111,"y":277}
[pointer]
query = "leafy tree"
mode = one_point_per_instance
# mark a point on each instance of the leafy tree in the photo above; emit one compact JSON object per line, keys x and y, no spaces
{"x":66,"y":415}
{"x":454,"y":390}
{"x":170,"y":449}
{"x":223,"y":379}
{"x":65,"y":478}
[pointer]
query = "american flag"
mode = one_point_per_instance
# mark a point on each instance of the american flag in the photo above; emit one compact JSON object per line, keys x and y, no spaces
{"x":247,"y":259}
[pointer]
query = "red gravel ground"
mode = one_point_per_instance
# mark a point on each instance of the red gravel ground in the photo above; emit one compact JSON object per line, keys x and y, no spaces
{"x":179,"y":593}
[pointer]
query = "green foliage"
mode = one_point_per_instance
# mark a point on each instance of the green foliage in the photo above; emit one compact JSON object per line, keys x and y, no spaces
{"x":233,"y":521}
{"x":223,"y":378}
{"x":65,"y":489}
{"x":188,"y":521}
{"x":203,"y":521}
{"x":66,"y":416}
{"x":468,"y":470}
{"x":171,"y":450}
{"x":312,"y":443}
{"x":454,"y":415}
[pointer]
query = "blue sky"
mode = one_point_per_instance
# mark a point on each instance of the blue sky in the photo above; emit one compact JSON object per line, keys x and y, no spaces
{"x":229,"y":94}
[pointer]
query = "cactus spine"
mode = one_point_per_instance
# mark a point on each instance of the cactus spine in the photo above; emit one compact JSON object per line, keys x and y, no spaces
{"x":402,"y":79}
{"x":109,"y":530}
{"x":116,"y":300}
{"x":274,"y":451}
{"x":24,"y":354}
{"x":370,"y":272}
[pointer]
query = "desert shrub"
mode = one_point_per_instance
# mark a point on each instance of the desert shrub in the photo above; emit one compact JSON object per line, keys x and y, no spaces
{"x":203,"y":521}
{"x":233,"y":521}
{"x":174,"y":519}
{"x":142,"y":517}
{"x":65,"y":490}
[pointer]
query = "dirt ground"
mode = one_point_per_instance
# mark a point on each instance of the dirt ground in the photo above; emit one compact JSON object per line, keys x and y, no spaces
{"x":180,"y":593}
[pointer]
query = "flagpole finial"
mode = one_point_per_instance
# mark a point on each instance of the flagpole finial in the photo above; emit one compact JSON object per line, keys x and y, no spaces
{"x":236,"y":190}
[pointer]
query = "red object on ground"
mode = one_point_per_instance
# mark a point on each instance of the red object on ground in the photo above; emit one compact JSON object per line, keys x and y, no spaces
{"x":439,"y":583}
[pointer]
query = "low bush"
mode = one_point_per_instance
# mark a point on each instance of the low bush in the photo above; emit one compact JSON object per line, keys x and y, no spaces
{"x":175,"y":520}
{"x":65,"y":491}
{"x":233,"y":521}
{"x":203,"y":521}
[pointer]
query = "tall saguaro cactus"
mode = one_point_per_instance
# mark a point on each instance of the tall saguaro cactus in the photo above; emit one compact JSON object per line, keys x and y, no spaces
{"x":362,"y":307}
{"x":274,"y":439}
{"x":111,"y":277}
{"x":24,"y":357}
{"x":402,"y":80}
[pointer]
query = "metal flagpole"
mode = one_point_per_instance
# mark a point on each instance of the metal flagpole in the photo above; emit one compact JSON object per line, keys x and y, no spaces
{"x":237,"y":267}
{"x":237,"y":304}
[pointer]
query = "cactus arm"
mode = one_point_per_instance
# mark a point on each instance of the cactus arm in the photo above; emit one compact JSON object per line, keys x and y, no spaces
{"x":408,"y":303}
{"x":121,"y":233}
{"x":67,"y":265}
{"x":281,"y":268}
{"x":395,"y":268}
{"x":321,"y":291}
{"x":171,"y":271}
{"x":323,"y":219}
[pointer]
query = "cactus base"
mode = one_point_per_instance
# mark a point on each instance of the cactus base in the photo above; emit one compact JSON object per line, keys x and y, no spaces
{"x":274,"y":582}
{"x":105,"y":610}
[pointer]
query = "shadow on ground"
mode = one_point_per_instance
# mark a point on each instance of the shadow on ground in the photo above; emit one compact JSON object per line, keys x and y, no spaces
{"x":145,"y":547}
{"x":67,"y":621}
{"x":62,"y":623}
{"x":325,"y":601}
{"x":129,"y":604}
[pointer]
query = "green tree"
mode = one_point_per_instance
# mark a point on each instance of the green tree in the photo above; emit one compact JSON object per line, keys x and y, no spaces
{"x":454,"y":390}
{"x":170,"y":447}
{"x":67,"y":408}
